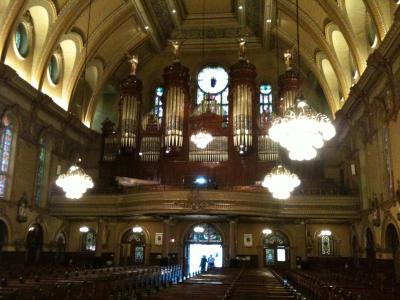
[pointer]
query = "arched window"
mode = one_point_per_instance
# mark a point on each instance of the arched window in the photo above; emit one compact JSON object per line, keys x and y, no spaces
{"x":213,"y":81}
{"x":40,"y":172}
{"x":158,"y":109}
{"x":265,"y":98}
{"x":5,"y":153}
{"x":326,"y":245}
{"x":276,"y":248}
{"x":89,"y":240}
{"x":204,"y":233}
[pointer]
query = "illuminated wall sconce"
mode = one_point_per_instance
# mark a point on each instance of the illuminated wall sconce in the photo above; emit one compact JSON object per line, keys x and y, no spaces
{"x":84,"y":229}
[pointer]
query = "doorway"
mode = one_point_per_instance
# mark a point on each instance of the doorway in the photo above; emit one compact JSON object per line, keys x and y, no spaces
{"x":133,"y":246}
{"x":34,"y":244}
{"x":276,"y":249}
{"x":202,"y":239}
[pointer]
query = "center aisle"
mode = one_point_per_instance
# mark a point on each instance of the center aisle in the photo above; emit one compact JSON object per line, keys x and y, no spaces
{"x":226,"y":283}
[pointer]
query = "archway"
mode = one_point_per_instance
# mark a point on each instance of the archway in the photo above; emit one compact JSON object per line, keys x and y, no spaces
{"x":133,"y":247}
{"x":370,"y":249}
{"x":392,"y":244}
{"x":34,"y":243}
{"x":3,"y":238}
{"x":276,"y":249}
{"x":202,"y":239}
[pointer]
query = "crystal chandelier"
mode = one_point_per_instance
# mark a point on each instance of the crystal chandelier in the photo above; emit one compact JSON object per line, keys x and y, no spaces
{"x":302,"y":131}
{"x":201,"y":139}
{"x":280,"y":182}
{"x":74,"y":182}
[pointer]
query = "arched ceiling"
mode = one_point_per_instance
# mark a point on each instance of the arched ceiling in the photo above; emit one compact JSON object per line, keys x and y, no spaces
{"x":336,"y":38}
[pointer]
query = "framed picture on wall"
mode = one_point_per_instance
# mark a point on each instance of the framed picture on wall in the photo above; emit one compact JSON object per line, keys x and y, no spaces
{"x":248,"y":240}
{"x":158,"y":239}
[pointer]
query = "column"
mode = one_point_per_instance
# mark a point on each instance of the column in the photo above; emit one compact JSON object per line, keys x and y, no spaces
{"x":166,"y":239}
{"x":232,"y":238}
{"x":99,"y":238}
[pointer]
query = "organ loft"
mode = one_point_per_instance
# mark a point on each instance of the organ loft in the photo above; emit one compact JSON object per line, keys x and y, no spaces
{"x":199,"y":149}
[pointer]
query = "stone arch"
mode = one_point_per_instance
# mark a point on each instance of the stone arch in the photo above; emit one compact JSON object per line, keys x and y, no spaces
{"x":44,"y":14}
{"x":342,"y":50}
{"x":388,"y":220}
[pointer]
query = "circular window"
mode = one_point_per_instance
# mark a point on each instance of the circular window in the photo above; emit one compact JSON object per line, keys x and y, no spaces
{"x":21,"y":40}
{"x":54,"y":69}
{"x":212,"y":80}
{"x":265,"y":89}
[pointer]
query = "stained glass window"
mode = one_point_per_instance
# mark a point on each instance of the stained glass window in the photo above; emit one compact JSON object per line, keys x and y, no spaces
{"x":5,"y":154}
{"x":158,"y":109}
{"x":265,"y":98}
{"x":208,"y":235}
{"x":213,"y":81}
{"x":40,"y":172}
{"x":139,"y":254}
{"x":89,"y":241}
{"x":326,"y":245}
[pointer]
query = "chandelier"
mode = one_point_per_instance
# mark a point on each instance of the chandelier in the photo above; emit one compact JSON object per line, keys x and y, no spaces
{"x":280,"y":182}
{"x":74,"y":182}
{"x":302,"y":131}
{"x":201,"y":139}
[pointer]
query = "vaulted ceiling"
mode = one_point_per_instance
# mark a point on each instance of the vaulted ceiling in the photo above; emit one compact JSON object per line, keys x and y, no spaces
{"x":337,"y":37}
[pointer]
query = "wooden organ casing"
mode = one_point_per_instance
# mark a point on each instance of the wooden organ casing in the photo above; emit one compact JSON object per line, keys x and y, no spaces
{"x":164,"y":151}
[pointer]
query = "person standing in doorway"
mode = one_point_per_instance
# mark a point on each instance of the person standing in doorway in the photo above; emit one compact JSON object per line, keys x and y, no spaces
{"x":203,"y":263}
{"x":211,"y":262}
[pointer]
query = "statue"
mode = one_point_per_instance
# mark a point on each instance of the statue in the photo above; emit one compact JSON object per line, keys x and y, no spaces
{"x":242,"y":48}
{"x":288,"y":57}
{"x":133,"y":59}
{"x":22,"y":209}
{"x":176,"y":46}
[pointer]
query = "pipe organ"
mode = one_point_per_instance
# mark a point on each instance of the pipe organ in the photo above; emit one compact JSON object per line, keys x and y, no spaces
{"x":176,"y":105}
{"x":243,"y":109}
{"x":129,"y":116}
{"x":159,"y":147}
{"x":289,"y":85}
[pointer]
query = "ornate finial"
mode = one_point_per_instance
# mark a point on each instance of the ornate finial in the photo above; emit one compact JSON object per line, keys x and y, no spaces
{"x":242,"y":48}
{"x":288,"y":57}
{"x":176,"y":47}
{"x":133,"y":59}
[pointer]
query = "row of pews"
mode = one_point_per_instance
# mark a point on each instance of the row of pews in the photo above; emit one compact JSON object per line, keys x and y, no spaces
{"x":119,"y":283}
{"x":229,"y":283}
{"x":322,"y":285}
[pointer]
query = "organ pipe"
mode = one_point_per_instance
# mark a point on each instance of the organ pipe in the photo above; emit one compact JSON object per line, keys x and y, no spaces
{"x":176,"y":79}
{"x":129,"y":109}
{"x":242,"y":98}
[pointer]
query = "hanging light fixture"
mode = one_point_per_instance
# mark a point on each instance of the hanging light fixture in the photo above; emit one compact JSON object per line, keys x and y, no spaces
{"x":198,"y":229}
{"x":137,"y":229}
{"x":280,"y":182}
{"x":301,"y":130}
{"x":202,"y":138}
{"x":267,"y":231}
{"x":74,"y":182}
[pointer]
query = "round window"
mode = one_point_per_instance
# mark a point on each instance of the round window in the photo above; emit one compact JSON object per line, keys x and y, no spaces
{"x":21,"y":40}
{"x":54,"y":69}
{"x":212,"y":79}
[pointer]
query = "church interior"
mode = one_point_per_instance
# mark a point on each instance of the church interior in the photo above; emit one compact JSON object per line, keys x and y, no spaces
{"x":209,"y":149}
